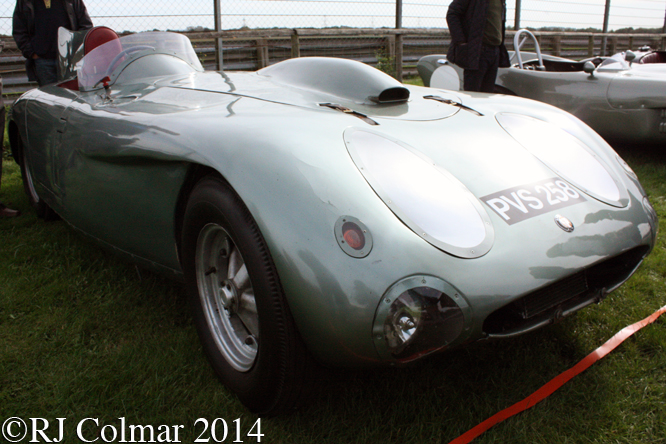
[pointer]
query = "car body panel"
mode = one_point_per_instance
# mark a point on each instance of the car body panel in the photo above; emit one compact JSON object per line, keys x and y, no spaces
{"x":621,"y":101}
{"x":623,"y":94}
{"x":116,"y":163}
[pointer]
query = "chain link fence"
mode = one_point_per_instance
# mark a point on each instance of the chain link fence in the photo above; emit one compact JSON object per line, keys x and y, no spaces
{"x":590,"y":14}
{"x":143,"y":15}
{"x":269,"y":22}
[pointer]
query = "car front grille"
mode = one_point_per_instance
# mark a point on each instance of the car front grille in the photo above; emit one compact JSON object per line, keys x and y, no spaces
{"x":552,"y":295}
{"x":565,"y":296}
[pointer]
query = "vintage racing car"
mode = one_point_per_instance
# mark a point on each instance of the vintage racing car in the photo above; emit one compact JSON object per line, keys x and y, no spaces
{"x":320,"y":211}
{"x":622,"y":97}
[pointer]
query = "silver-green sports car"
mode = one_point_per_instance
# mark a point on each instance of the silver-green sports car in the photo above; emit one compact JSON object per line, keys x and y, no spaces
{"x":622,"y":97}
{"x":319,"y":211}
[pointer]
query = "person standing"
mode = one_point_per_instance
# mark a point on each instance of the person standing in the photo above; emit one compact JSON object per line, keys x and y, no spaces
{"x":477,"y":30}
{"x":35,"y":30}
{"x":4,"y":211}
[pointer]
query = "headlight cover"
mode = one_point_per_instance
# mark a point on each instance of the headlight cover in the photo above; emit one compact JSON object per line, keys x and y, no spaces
{"x":566,"y":155}
{"x":419,"y":315}
{"x":425,"y":197}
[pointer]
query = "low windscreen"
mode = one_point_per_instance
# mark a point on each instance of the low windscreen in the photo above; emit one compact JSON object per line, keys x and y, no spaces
{"x":614,"y":63}
{"x":104,"y":60}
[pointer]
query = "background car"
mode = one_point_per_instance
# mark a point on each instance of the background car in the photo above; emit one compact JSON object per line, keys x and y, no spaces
{"x":622,"y":97}
{"x":319,"y":211}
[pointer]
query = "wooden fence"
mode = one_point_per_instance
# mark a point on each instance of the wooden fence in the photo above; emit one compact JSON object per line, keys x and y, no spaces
{"x":393,"y":50}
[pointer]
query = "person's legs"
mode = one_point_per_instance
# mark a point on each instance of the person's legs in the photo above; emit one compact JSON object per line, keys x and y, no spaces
{"x":472,"y":79}
{"x":4,"y":211}
{"x":491,"y":68}
{"x":47,"y":71}
{"x":483,"y":79}
{"x":2,"y":129}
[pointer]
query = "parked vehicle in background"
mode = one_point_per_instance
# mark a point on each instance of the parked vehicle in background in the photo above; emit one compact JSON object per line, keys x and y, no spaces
{"x":622,"y":97}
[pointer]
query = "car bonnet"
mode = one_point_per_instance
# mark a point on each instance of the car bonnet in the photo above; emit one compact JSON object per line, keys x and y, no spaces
{"x":337,"y":83}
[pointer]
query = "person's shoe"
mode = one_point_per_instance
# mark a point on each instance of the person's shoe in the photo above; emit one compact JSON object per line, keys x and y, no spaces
{"x":8,"y":212}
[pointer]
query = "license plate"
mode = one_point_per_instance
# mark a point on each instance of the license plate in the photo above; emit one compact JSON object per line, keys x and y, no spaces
{"x":524,"y":202}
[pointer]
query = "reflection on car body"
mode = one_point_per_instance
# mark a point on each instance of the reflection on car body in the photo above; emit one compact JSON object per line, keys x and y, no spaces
{"x":305,"y":233}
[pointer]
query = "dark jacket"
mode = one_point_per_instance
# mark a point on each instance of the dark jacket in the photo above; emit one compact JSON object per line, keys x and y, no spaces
{"x":467,"y":21}
{"x":24,"y":27}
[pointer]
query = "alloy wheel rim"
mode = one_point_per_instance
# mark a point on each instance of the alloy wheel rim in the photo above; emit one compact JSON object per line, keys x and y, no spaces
{"x":227,"y":297}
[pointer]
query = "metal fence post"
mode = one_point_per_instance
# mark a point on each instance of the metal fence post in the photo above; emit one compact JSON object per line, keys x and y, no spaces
{"x":217,"y":10}
{"x":516,"y":20}
{"x":398,"y":57}
{"x":604,"y":39}
{"x":398,"y":41}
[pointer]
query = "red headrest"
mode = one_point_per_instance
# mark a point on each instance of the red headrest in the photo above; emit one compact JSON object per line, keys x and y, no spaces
{"x":98,"y":36}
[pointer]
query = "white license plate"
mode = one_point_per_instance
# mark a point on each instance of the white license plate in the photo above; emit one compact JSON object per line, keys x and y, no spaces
{"x":526,"y":201}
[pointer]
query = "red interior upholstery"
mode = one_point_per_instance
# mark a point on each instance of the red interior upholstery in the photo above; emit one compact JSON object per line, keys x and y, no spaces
{"x":655,"y":57}
{"x":72,"y":84}
{"x":98,"y":36}
{"x":100,"y":47}
{"x":95,"y":37}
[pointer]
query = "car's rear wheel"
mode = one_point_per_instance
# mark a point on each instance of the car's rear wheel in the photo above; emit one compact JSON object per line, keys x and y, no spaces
{"x":239,"y":307}
{"x":41,"y":208}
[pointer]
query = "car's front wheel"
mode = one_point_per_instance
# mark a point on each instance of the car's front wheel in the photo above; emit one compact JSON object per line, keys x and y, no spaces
{"x":239,"y":306}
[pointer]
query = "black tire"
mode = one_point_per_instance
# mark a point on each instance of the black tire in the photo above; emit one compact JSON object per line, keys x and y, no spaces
{"x":37,"y":203}
{"x":265,"y":364}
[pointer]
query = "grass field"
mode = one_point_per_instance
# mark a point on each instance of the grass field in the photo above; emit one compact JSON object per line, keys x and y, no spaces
{"x":83,"y":335}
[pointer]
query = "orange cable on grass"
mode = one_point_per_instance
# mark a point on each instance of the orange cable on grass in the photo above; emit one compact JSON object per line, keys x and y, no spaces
{"x":558,"y":381}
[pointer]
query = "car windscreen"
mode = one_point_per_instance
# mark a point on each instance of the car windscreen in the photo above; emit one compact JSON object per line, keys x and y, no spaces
{"x":614,"y":63}
{"x":107,"y":59}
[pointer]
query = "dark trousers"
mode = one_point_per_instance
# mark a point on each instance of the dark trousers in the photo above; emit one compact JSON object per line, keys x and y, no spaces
{"x":483,"y":79}
{"x":2,"y":128}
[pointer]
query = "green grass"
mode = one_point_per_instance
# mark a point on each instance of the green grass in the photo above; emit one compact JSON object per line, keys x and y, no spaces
{"x":413,"y":81}
{"x":84,"y":335}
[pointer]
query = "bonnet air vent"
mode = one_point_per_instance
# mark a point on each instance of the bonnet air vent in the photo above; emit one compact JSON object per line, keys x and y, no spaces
{"x":344,"y":79}
{"x":392,"y":95}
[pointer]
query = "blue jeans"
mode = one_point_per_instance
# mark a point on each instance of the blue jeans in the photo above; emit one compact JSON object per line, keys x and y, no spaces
{"x":46,"y":70}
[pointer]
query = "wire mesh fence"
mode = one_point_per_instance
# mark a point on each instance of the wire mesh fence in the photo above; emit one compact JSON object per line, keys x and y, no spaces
{"x":590,"y":14}
{"x":142,"y":15}
{"x":263,"y":47}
